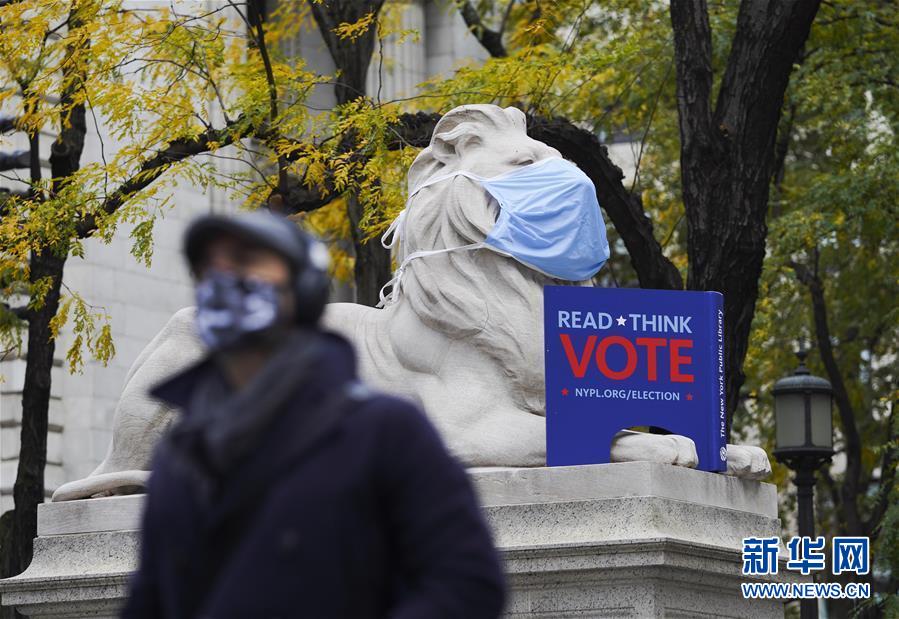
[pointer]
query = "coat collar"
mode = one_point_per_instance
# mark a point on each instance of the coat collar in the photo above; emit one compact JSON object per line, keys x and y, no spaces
{"x":233,"y":452}
{"x":295,"y":435}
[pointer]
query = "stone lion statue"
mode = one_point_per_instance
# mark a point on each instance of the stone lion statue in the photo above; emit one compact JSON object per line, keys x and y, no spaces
{"x":463,"y":337}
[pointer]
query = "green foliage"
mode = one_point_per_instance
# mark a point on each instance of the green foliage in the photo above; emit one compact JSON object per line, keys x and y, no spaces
{"x":834,"y":211}
{"x":87,"y":334}
{"x":330,"y":223}
{"x":886,"y":552}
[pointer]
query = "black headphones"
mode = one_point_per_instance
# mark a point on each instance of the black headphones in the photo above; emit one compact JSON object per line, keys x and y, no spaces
{"x":311,"y":281}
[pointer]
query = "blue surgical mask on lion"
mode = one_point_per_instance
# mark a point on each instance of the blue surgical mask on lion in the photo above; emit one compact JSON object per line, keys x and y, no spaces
{"x":549,"y":221}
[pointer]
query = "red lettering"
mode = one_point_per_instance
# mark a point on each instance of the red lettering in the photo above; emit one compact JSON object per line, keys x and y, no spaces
{"x":677,"y":360}
{"x":601,"y":357}
{"x":578,"y":368}
{"x":651,"y":344}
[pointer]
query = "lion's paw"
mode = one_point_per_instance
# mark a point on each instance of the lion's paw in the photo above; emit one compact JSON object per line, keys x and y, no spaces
{"x":747,"y":462}
{"x":629,"y":446}
{"x":102,"y":485}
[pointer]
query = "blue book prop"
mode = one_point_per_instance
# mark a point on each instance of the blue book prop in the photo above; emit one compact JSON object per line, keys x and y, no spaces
{"x":623,"y":357}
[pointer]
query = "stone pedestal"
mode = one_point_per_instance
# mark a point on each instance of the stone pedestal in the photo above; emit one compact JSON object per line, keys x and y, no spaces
{"x":83,"y":556}
{"x":633,"y":539}
{"x":614,"y":540}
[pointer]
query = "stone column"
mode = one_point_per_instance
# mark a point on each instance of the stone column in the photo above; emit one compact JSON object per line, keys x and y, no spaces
{"x":403,"y":65}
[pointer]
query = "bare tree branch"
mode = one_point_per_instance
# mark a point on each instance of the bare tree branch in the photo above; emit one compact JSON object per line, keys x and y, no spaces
{"x":832,"y":489}
{"x":351,"y":56}
{"x":770,"y":37}
{"x":413,"y":130}
{"x":255,"y":20}
{"x":155,"y":167}
{"x":15,"y":160}
{"x":491,"y":40}
{"x":8,"y":123}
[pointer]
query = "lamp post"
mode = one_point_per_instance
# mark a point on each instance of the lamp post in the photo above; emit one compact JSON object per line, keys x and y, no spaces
{"x":804,"y":441}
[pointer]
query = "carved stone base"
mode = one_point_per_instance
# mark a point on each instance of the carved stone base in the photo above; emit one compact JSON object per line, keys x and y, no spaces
{"x":614,"y":540}
{"x":632,"y":539}
{"x":83,"y":555}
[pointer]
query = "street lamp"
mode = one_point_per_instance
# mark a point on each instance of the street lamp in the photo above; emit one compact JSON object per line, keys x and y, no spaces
{"x":803,"y":425}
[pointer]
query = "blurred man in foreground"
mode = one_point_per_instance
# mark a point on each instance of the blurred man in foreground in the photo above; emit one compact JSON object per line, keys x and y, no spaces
{"x":287,"y":489}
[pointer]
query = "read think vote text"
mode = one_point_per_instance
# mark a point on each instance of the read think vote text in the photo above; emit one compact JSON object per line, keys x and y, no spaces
{"x":629,"y":350}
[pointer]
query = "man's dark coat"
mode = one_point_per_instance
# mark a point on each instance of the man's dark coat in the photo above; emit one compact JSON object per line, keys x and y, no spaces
{"x":348,"y":510}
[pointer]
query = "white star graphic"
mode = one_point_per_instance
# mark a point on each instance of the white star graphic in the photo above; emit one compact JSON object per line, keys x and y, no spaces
{"x":620,"y":321}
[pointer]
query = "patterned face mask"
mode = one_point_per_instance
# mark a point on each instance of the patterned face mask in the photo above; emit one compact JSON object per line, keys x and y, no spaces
{"x":230,"y":309}
{"x":549,"y":220}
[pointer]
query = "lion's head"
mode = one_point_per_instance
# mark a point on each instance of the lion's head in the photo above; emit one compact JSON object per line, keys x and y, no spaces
{"x":494,"y":300}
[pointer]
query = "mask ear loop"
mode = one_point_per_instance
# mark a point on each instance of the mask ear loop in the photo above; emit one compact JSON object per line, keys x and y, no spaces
{"x":389,"y":298}
{"x":396,"y":282}
{"x":395,"y":232}
{"x":391,"y":238}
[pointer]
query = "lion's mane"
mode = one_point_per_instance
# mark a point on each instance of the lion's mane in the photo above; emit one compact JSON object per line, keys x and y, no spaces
{"x":492,"y":300}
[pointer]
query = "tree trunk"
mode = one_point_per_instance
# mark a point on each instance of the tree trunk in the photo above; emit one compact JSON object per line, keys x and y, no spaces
{"x":28,"y":491}
{"x":727,"y":154}
{"x":48,"y":263}
{"x":352,"y":58}
{"x":372,"y":267}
